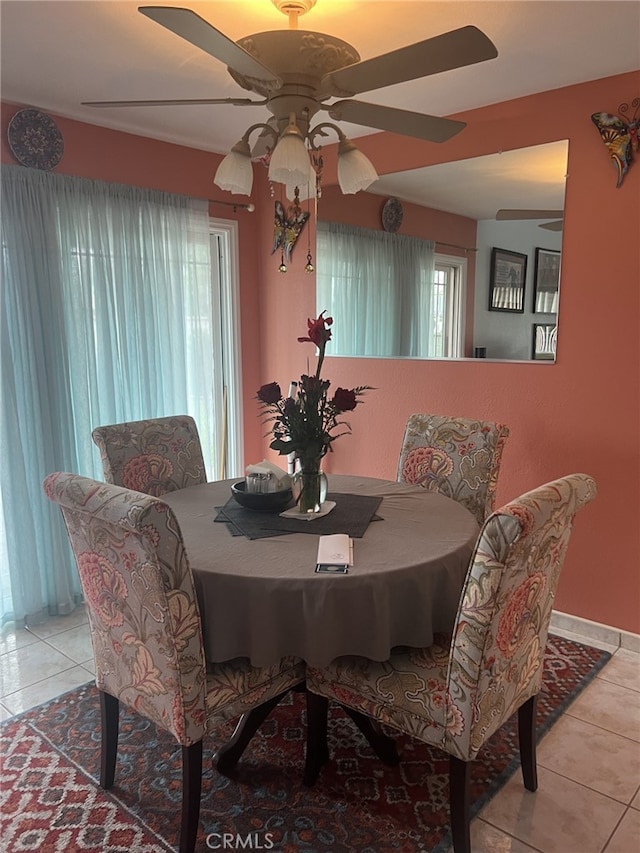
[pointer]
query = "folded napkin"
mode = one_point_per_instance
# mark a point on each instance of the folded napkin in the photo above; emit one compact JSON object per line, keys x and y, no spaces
{"x":336,"y":548}
{"x":280,"y":479}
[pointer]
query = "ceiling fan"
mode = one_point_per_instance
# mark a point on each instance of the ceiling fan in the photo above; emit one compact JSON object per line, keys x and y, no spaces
{"x":300,"y":72}
{"x":556,"y":215}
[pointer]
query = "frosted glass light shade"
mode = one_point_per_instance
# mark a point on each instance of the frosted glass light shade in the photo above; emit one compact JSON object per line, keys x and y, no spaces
{"x":235,"y":172}
{"x":290,"y":161}
{"x":355,"y":171}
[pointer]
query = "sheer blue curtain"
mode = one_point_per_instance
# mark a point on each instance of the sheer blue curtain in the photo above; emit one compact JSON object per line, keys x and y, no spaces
{"x":106,"y":317}
{"x":380,"y":288}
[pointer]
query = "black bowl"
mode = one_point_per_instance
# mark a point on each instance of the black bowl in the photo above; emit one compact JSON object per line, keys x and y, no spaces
{"x":261,"y":502}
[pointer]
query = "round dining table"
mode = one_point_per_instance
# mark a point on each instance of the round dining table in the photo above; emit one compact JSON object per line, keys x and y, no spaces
{"x":262,"y":598}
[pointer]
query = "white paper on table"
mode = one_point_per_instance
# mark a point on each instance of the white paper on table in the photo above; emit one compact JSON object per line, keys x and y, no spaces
{"x":336,"y":548}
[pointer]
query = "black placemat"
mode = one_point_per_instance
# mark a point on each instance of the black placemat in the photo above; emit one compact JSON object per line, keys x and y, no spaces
{"x":245,"y":522}
{"x":351,"y":515}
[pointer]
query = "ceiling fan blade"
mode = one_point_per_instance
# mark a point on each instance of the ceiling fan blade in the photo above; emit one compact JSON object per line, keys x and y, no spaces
{"x":237,"y":102}
{"x":558,"y":225}
{"x":404,"y":122}
{"x":455,"y":49}
{"x":529,"y":214}
{"x":193,"y":28}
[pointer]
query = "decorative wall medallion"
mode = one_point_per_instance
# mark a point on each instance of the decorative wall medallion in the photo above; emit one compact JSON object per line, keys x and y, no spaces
{"x":35,"y":139}
{"x":392,"y":215}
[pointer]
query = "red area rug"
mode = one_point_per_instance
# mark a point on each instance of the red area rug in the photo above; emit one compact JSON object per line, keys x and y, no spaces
{"x":51,"y":803}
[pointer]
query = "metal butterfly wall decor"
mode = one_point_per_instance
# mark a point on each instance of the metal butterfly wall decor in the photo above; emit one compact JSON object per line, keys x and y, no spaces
{"x":620,"y":135}
{"x":287,"y":227}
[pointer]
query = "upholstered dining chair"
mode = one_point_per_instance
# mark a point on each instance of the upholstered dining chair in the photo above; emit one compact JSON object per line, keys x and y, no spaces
{"x":153,"y":456}
{"x":459,"y":691}
{"x":458,"y":457}
{"x":146,"y":631}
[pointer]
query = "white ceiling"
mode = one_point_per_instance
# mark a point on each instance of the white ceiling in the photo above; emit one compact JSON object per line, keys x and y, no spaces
{"x":54,"y":55}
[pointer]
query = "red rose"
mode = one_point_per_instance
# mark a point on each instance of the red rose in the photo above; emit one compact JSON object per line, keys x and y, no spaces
{"x":270,"y":393}
{"x":344,"y":400}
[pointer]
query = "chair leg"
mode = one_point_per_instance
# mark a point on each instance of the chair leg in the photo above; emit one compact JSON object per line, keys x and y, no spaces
{"x":527,"y":741}
{"x":191,"y":791}
{"x":383,"y":746}
{"x":226,"y":758}
{"x":109,"y":712}
{"x":459,"y":806}
{"x":317,"y":749}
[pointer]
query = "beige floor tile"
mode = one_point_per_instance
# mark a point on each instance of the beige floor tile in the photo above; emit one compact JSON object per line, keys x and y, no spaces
{"x":74,"y":643}
{"x":488,"y":839}
{"x":560,"y":817}
{"x":60,"y":623}
{"x":602,"y":760}
{"x":635,"y":802}
{"x":609,"y":706}
{"x":623,"y":669}
{"x":28,"y":665}
{"x":626,"y":838}
{"x":5,"y":713}
{"x":48,"y":688}
{"x":12,"y":638}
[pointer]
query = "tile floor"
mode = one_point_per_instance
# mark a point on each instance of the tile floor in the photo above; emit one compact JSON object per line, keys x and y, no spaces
{"x":588,"y":798}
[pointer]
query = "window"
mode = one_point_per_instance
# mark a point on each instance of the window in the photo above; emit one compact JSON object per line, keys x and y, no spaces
{"x":226,"y":336}
{"x":390,"y":294}
{"x":448,"y":302}
{"x":113,"y":309}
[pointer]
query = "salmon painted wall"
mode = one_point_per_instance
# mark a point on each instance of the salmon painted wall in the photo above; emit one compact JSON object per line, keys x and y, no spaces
{"x":581,"y":413}
{"x":110,"y":155}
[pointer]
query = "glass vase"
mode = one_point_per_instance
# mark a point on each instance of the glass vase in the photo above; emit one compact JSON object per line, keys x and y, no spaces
{"x":309,"y":486}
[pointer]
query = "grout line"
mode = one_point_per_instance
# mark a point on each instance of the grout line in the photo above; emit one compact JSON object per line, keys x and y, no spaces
{"x":598,"y":726}
{"x":616,"y":828}
{"x":584,"y":785}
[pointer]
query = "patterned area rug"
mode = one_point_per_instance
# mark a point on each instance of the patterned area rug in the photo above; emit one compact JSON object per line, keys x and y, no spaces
{"x":50,"y":800}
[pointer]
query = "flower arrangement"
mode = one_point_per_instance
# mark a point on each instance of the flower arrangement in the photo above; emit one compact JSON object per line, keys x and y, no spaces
{"x":306,"y":424}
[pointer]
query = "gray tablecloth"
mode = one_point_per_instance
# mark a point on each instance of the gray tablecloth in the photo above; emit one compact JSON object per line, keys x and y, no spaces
{"x":263,"y":599}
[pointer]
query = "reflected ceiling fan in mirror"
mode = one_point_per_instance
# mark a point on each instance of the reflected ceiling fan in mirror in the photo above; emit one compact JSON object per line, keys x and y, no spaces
{"x":556,"y":215}
{"x":298,"y":73}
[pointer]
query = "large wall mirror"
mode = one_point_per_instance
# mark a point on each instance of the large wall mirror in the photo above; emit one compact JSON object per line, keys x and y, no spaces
{"x":493,"y":292}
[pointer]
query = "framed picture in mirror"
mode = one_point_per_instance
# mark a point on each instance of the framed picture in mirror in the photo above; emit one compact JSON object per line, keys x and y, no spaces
{"x":507,"y":281}
{"x":546,"y":280}
{"x":544,"y":341}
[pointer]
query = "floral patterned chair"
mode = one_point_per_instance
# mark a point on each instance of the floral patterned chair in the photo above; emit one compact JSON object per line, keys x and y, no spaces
{"x":146,"y":631}
{"x":459,"y":691}
{"x":154,"y":456}
{"x":458,"y":457}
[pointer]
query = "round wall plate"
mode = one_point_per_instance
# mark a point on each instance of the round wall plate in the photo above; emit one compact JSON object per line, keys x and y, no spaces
{"x":35,"y":139}
{"x":392,"y":215}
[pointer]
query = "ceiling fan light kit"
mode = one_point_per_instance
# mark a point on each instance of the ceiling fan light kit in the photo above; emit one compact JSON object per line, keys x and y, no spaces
{"x":355,"y":171}
{"x":289,"y":163}
{"x":235,"y":172}
{"x":298,"y":73}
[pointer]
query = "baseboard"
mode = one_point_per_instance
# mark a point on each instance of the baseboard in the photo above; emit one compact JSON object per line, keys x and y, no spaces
{"x":597,"y":634}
